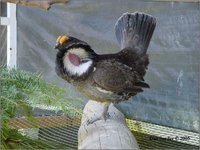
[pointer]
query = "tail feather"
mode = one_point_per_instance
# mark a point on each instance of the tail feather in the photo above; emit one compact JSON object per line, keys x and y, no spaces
{"x":134,"y":30}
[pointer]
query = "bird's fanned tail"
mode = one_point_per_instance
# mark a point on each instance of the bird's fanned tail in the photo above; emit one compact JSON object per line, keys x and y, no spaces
{"x":134,"y":30}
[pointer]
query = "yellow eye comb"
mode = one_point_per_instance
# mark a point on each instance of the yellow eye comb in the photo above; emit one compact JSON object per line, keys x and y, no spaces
{"x":62,"y":39}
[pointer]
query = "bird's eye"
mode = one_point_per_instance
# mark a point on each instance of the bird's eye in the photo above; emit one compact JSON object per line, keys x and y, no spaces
{"x":62,"y":39}
{"x":84,"y":60}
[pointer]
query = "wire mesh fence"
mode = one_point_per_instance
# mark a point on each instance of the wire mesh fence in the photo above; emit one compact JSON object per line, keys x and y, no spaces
{"x":3,"y":45}
{"x":62,"y":131}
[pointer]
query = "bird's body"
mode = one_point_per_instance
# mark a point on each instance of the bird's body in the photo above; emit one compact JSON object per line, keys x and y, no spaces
{"x":109,"y":77}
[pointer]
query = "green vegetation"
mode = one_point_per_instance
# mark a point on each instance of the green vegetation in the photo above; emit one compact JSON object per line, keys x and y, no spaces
{"x":22,"y":91}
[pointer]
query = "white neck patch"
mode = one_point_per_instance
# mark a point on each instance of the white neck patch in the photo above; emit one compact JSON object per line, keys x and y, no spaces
{"x":76,"y":70}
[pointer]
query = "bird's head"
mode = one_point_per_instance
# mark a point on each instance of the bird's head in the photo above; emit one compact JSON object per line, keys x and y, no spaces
{"x":75,"y":58}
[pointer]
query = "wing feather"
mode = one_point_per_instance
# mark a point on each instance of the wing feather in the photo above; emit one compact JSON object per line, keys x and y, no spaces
{"x":114,"y":76}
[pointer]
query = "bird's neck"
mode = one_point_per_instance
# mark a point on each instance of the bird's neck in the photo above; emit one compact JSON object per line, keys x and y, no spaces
{"x":75,"y":65}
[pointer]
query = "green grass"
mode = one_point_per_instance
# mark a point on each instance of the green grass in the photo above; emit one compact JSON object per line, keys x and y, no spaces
{"x":22,"y":91}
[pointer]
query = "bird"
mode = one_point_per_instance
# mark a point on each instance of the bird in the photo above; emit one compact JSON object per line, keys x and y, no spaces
{"x":108,"y":78}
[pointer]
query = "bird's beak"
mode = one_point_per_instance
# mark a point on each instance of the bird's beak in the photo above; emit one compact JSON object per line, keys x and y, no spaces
{"x":57,"y":45}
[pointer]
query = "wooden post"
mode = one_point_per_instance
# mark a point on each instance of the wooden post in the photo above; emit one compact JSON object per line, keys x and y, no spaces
{"x":110,"y":134}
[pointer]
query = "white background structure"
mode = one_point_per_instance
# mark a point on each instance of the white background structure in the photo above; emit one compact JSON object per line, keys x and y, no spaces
{"x":11,"y":22}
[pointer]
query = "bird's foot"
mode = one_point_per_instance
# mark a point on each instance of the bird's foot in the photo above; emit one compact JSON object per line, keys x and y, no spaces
{"x":107,"y":115}
{"x":91,"y":121}
{"x":103,"y":117}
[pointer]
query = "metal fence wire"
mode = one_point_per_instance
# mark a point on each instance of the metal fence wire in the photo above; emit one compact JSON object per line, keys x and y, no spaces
{"x":62,"y":130}
{"x":3,"y":35}
{"x":3,"y":45}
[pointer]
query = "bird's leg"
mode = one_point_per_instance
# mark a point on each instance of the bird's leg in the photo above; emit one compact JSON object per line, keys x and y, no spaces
{"x":104,"y":114}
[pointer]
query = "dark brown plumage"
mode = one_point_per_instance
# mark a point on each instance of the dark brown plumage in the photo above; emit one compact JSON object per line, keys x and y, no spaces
{"x":109,"y":77}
